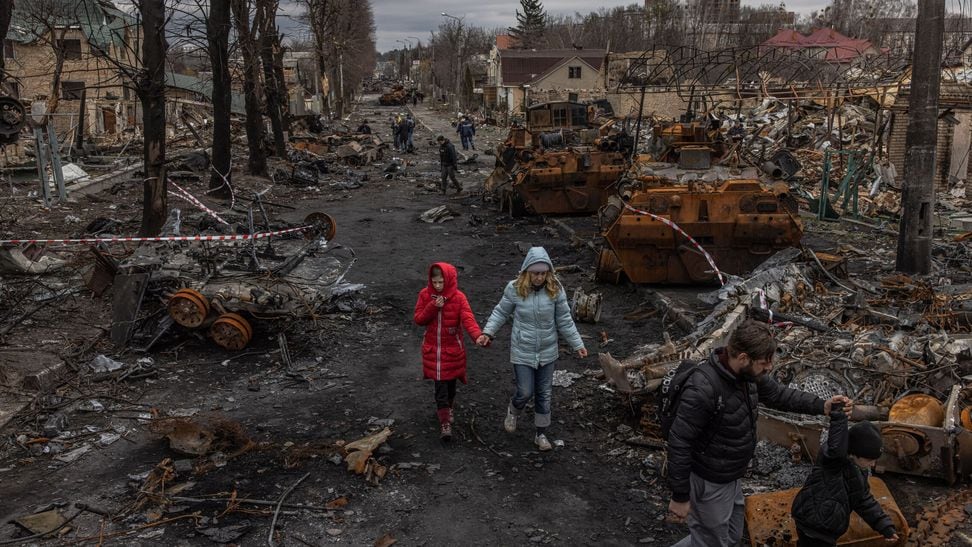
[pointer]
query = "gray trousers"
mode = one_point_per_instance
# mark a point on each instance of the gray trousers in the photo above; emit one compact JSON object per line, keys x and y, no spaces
{"x":717,"y":514}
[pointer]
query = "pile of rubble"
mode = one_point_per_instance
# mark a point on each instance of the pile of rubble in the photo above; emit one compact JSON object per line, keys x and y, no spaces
{"x":882,"y":341}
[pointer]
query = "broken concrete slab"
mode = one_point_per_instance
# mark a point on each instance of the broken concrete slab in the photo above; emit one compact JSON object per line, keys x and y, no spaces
{"x":32,"y":369}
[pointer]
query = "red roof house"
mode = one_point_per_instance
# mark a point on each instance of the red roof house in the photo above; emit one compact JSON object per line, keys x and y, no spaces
{"x":832,"y":45}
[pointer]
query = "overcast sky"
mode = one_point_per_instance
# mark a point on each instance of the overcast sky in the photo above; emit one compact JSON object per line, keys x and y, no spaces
{"x":402,"y":19}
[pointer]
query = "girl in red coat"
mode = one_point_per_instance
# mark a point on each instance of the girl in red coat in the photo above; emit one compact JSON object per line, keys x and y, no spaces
{"x":444,"y":312}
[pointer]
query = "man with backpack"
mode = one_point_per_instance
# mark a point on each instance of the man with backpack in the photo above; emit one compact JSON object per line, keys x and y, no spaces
{"x":708,"y":412}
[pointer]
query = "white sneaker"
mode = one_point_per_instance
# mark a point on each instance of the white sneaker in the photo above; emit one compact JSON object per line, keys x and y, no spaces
{"x":542,"y":443}
{"x":509,"y":424}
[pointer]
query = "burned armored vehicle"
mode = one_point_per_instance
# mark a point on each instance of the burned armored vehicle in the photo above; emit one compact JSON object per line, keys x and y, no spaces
{"x":394,"y":97}
{"x":562,"y":161}
{"x":664,"y":228}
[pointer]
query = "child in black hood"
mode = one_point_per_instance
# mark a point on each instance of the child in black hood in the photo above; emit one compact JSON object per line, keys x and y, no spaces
{"x":838,"y":485}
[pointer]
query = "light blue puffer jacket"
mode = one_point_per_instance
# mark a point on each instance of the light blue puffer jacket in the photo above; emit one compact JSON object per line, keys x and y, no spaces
{"x":537,"y":319}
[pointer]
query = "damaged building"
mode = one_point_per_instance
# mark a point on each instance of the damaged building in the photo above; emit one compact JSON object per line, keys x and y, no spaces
{"x":91,"y":38}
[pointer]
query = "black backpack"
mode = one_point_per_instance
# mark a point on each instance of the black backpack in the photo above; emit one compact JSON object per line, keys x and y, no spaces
{"x":670,"y":393}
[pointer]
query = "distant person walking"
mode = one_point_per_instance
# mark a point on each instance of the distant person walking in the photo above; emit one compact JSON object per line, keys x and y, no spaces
{"x":397,"y":123}
{"x":444,"y":312}
{"x":448,"y":161}
{"x":409,"y":133}
{"x":466,"y":130}
{"x":537,"y":304}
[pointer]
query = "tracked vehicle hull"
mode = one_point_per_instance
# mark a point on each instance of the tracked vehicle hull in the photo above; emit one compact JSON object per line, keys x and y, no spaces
{"x":740,"y":223}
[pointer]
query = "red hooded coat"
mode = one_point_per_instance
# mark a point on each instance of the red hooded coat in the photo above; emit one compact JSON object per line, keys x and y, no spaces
{"x":443,"y":353}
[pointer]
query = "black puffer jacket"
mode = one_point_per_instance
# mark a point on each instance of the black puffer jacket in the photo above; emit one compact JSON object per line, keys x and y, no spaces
{"x":448,"y":157}
{"x":836,"y":486}
{"x":719,"y":446}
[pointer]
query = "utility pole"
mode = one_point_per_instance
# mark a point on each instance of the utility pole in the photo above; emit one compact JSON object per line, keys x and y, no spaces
{"x":918,"y":198}
{"x":458,"y":57}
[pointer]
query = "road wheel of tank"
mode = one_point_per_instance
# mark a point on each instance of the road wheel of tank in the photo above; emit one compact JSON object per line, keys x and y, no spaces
{"x":188,"y":307}
{"x":231,"y":332}
{"x":324,"y":226}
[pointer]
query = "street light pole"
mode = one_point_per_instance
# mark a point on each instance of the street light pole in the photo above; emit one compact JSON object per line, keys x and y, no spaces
{"x":458,"y":57}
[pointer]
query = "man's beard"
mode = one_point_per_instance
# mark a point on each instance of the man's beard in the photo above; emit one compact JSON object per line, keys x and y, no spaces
{"x":749,"y":373}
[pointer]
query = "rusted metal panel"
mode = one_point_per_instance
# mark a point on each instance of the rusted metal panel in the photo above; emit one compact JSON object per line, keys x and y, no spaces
{"x":769,"y":522}
{"x":942,"y":451}
{"x":740,"y":223}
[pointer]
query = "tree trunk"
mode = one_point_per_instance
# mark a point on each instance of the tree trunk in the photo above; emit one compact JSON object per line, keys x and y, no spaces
{"x":268,"y":34}
{"x":278,"y":54}
{"x":257,"y":164}
{"x":918,"y":196}
{"x":6,"y":11}
{"x":54,"y":99}
{"x":217,"y":36}
{"x":151,"y":92}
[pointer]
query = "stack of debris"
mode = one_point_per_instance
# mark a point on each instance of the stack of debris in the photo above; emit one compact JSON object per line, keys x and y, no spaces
{"x":900,"y":347}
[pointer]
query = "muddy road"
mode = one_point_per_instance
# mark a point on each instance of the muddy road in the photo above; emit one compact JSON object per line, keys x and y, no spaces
{"x":484,"y":487}
{"x":358,"y":371}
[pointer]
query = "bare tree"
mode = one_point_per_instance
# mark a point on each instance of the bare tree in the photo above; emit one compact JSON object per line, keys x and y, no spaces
{"x":276,"y":90}
{"x":217,"y":35}
{"x":48,"y":22}
{"x":245,"y":36}
{"x":150,"y":87}
{"x":344,"y":43}
{"x":6,"y":12}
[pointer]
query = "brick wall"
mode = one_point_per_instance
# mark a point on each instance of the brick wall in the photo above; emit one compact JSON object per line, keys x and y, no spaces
{"x":33,"y":64}
{"x":664,"y":105}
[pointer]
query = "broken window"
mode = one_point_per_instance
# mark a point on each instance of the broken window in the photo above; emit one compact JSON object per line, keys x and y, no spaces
{"x":574,"y":72}
{"x":8,"y":49}
{"x":72,"y":90}
{"x":578,"y":115}
{"x":71,"y":49}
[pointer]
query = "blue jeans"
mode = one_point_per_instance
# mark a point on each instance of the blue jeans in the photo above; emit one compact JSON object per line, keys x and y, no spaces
{"x":536,"y":383}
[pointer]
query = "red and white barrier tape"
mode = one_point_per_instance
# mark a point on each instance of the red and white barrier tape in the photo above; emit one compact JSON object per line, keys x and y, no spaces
{"x":226,"y":183}
{"x":94,"y":240}
{"x":762,"y":304}
{"x":181,"y":192}
{"x":673,"y":226}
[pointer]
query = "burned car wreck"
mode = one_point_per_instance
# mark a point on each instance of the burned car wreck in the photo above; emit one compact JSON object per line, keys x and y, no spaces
{"x":226,"y":290}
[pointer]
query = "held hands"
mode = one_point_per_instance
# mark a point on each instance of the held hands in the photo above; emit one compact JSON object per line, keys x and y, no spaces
{"x":677,"y":511}
{"x":838,"y":400}
{"x":483,"y":340}
{"x":582,"y":353}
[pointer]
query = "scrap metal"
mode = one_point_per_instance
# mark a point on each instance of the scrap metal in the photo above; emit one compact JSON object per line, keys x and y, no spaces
{"x":738,"y":222}
{"x":874,"y":340}
{"x":223,"y":289}
{"x":560,"y":162}
{"x":769,"y":521}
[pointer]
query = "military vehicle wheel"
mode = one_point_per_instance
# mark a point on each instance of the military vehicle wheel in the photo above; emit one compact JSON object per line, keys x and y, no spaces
{"x":231,"y":332}
{"x":324,"y":226}
{"x":188,"y":308}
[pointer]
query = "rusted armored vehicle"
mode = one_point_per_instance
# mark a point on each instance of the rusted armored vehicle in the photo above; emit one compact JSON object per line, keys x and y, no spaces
{"x":561,"y":162}
{"x":738,"y":222}
{"x":395,"y":97}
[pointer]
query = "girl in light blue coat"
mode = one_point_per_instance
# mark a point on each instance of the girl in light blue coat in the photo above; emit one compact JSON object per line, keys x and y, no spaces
{"x":538,"y":306}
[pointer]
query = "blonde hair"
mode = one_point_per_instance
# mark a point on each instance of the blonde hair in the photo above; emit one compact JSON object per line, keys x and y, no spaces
{"x":523,"y":287}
